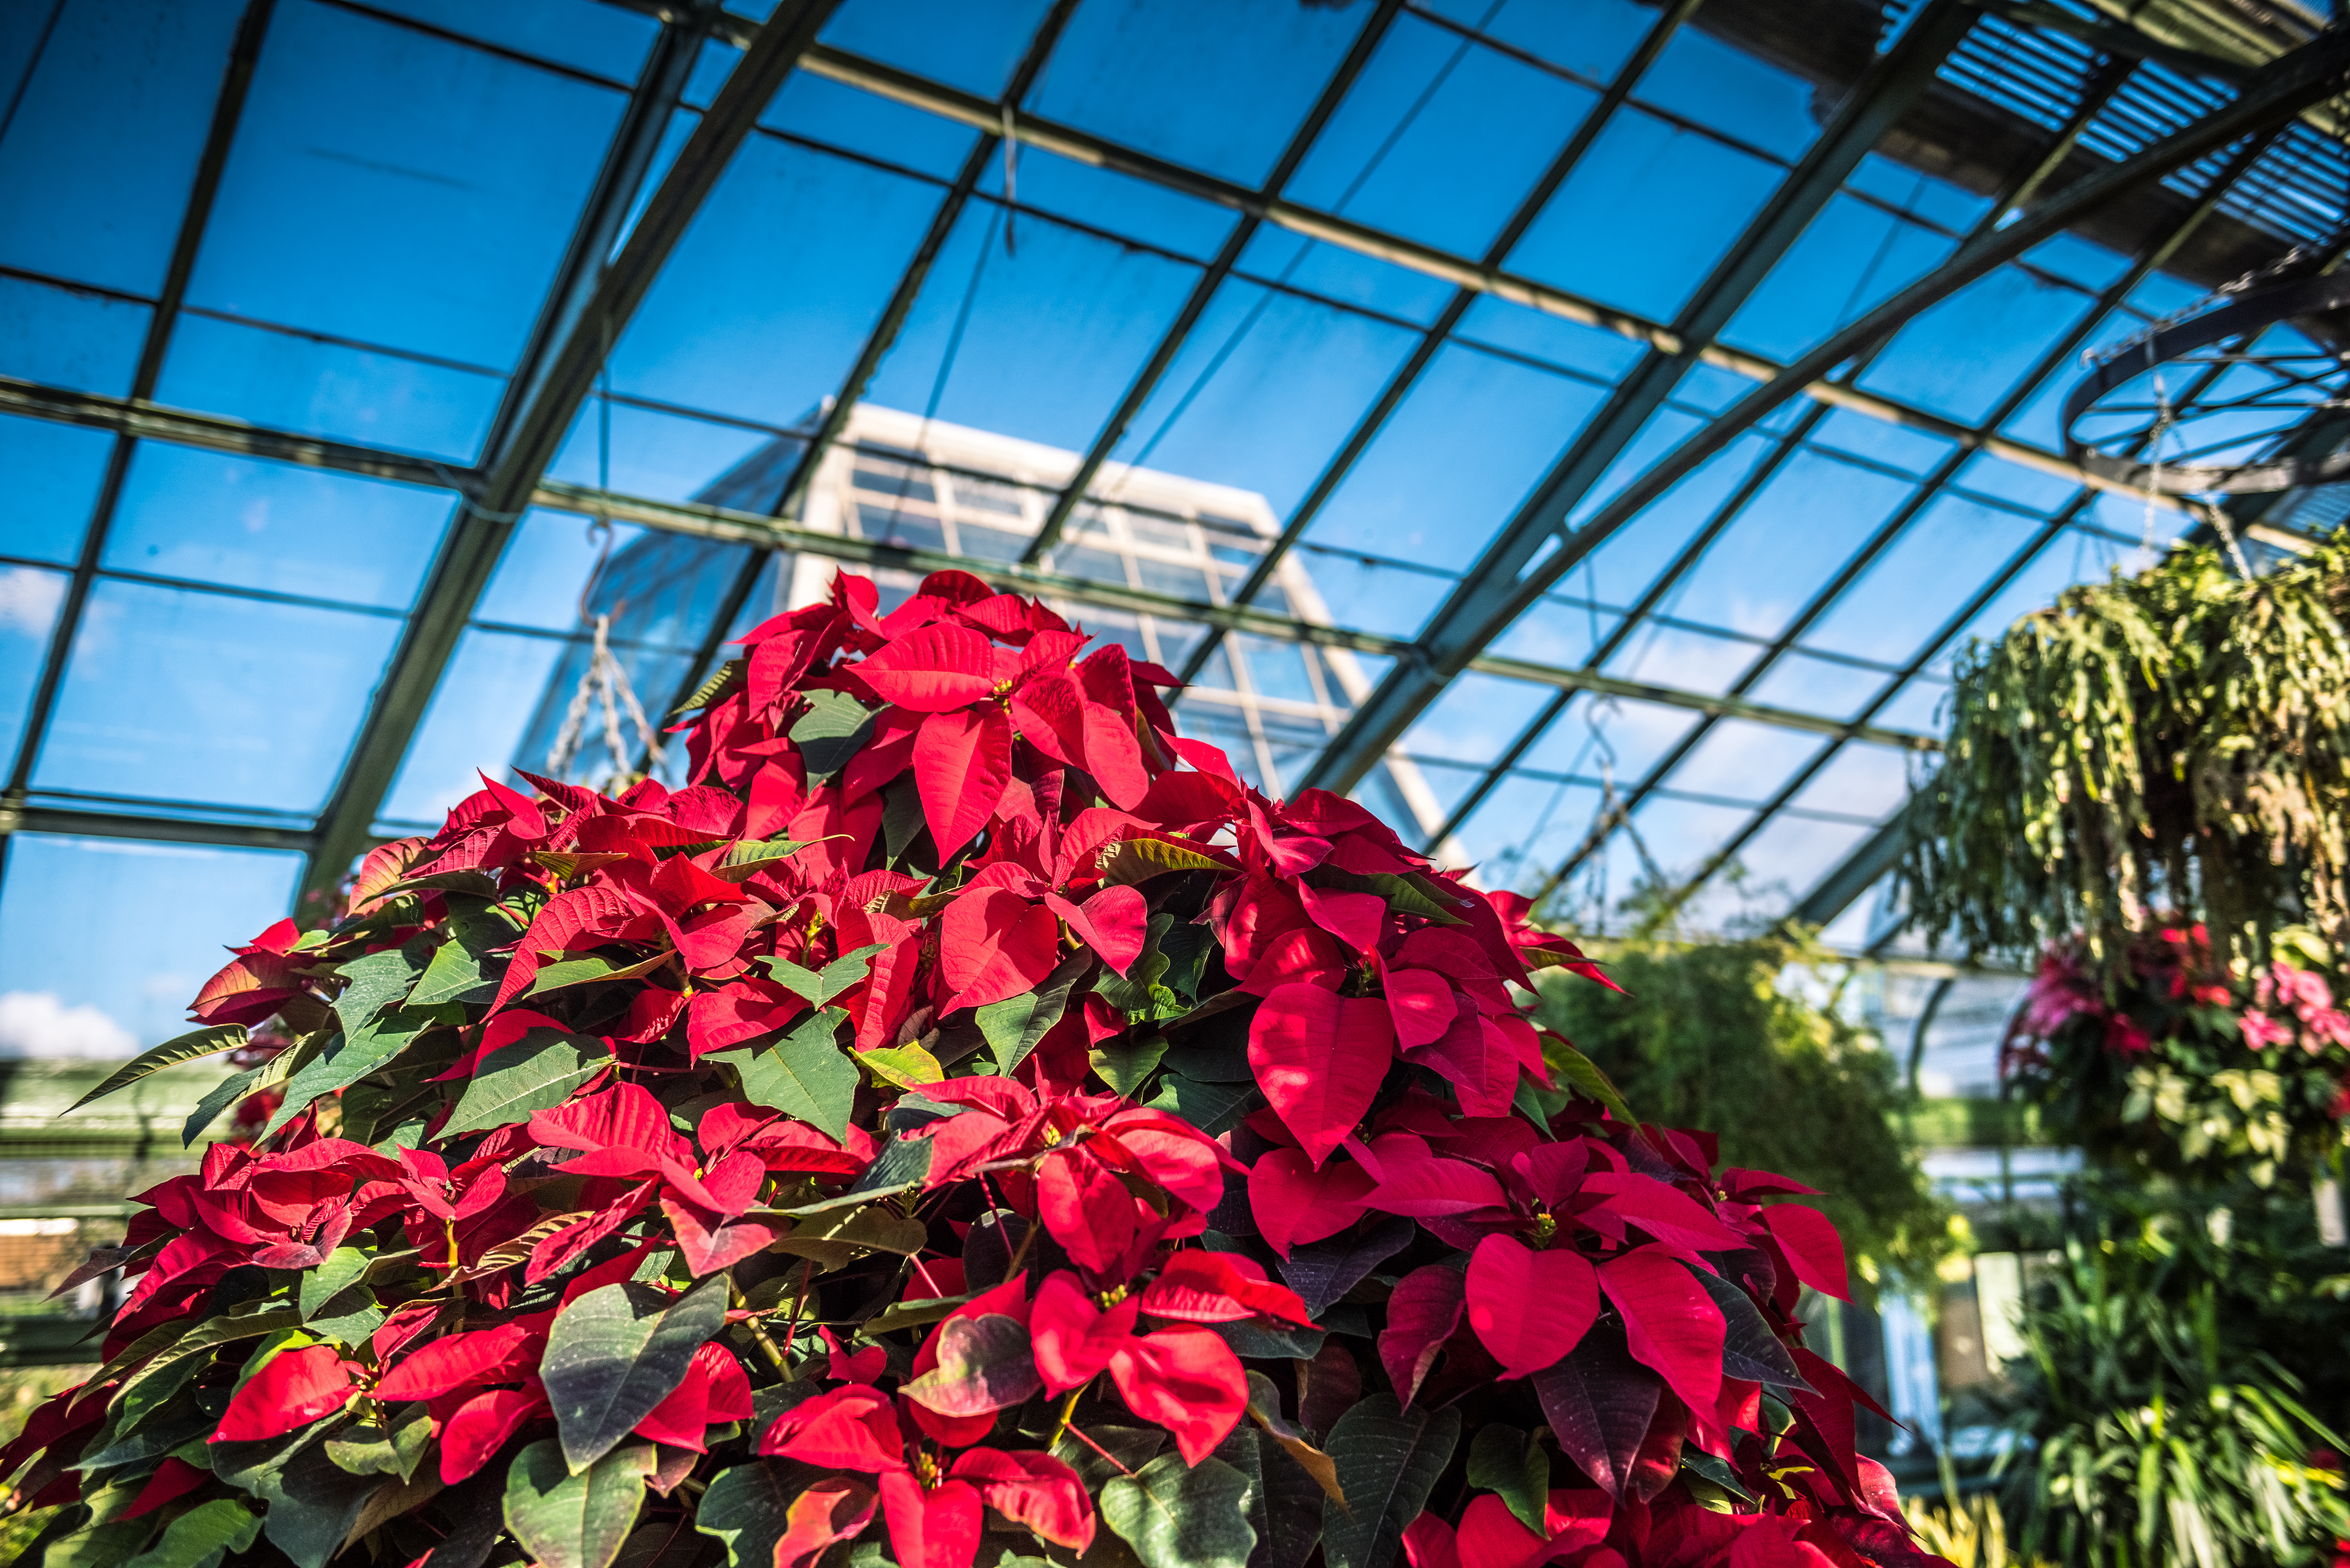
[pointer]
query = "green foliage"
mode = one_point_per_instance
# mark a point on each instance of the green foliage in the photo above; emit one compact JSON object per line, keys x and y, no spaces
{"x":1179,"y":1516}
{"x":2164,"y":1424}
{"x":1706,"y":1038}
{"x":1389,"y":1460}
{"x":2181,"y":736}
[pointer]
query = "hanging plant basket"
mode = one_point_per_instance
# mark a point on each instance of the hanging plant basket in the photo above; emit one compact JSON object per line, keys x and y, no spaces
{"x":966,"y":1124}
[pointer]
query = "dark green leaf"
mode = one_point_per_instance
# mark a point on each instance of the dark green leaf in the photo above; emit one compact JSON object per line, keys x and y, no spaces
{"x":374,"y":980}
{"x":1326,"y":1271}
{"x":99,"y":1545}
{"x":313,"y":1502}
{"x":1505,"y":1460}
{"x":903,"y":821}
{"x":1130,"y":1448}
{"x":170,"y":1054}
{"x":205,"y":1531}
{"x":465,"y":970}
{"x":1409,"y":893}
{"x":902,"y":1165}
{"x":346,"y":1266}
{"x":1179,"y":1518}
{"x":1715,"y":1469}
{"x":1130,"y":992}
{"x":536,"y":1073}
{"x":227,"y":1093}
{"x":834,"y":729}
{"x":567,"y":1520}
{"x":587,"y":969}
{"x":720,"y":680}
{"x":1214,"y":1108}
{"x":372,"y":1451}
{"x":1284,"y":1505}
{"x":1124,"y":1061}
{"x":804,"y":1074}
{"x":347,"y":1058}
{"x":1014,"y":1025}
{"x":1266,"y":1340}
{"x":1584,"y":1075}
{"x":985,"y":1365}
{"x":1749,"y":1350}
{"x":617,"y":1352}
{"x":749,"y":1507}
{"x":817,"y":987}
{"x":1388,"y":1459}
{"x":747,"y":858}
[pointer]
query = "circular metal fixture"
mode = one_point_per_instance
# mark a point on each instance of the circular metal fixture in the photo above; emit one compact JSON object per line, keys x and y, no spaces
{"x":2209,"y":405}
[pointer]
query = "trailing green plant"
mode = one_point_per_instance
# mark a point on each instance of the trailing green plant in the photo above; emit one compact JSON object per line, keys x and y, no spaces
{"x":2178,"y":738}
{"x":1706,"y":1034}
{"x":2182,"y":1396}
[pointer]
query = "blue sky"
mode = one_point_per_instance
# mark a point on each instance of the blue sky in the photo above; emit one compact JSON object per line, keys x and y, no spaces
{"x":398,"y":199}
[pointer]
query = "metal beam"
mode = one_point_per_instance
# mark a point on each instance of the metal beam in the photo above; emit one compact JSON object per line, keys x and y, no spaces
{"x":1893,"y":82}
{"x":1359,"y":440}
{"x":1509,"y":582}
{"x":1170,"y":342}
{"x":776,"y":534}
{"x":220,"y":137}
{"x":1854,"y":874}
{"x":157,"y":830}
{"x":594,"y":296}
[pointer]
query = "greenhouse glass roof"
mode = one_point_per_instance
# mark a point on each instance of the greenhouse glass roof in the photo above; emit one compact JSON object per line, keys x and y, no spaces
{"x":357,"y":355}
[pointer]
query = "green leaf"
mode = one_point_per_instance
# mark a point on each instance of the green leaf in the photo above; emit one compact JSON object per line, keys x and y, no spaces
{"x":1014,"y":1025}
{"x":751,"y":1506}
{"x":1125,"y":1060}
{"x":617,"y":1352}
{"x":344,"y":1267}
{"x":1389,"y":1460}
{"x":817,"y":987}
{"x":1175,"y":1517}
{"x":985,"y":1364}
{"x":1214,"y":1108}
{"x":313,"y":1502}
{"x":1131,"y":991}
{"x":1749,"y":1350}
{"x":1584,"y":1075}
{"x":1505,"y":1460}
{"x":376,"y":980}
{"x":1407,"y":893}
{"x":592,"y":968}
{"x":347,"y":1059}
{"x":205,"y":1531}
{"x":463,"y":968}
{"x":1133,"y":860}
{"x":902,"y":819}
{"x":834,"y":729}
{"x":170,"y":1054}
{"x":372,"y":1451}
{"x":99,"y":1545}
{"x":747,"y":858}
{"x":224,"y":1095}
{"x":1284,"y":1505}
{"x":805,"y":1075}
{"x":720,"y":680}
{"x":349,"y":1318}
{"x":904,"y":1067}
{"x":576,"y":1520}
{"x":536,"y":1073}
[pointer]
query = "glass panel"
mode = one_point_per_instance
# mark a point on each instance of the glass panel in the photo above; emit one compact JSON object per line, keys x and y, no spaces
{"x":2027,"y":487}
{"x":544,"y":573}
{"x":54,"y":472}
{"x":1771,"y":872}
{"x":421,"y":204}
{"x":243,"y":523}
{"x":1591,"y":37}
{"x":1932,"y":201}
{"x":1615,"y":737}
{"x":1561,"y":633}
{"x":1525,"y":828}
{"x":1276,"y":669}
{"x":1914,"y":452}
{"x":1350,"y":278}
{"x":1265,"y":390}
{"x":1740,"y":760}
{"x":1936,"y":562}
{"x":1851,"y":258}
{"x":2038,"y":422}
{"x":104,"y":136}
{"x":1630,"y":559}
{"x":582,"y":34}
{"x":1655,"y":250}
{"x":1916,"y":708}
{"x":290,"y":382}
{"x":1371,"y":595}
{"x":176,"y":694}
{"x":66,"y":338}
{"x":1219,"y":84}
{"x":1439,"y":138}
{"x":87,"y":971}
{"x":1101,"y":199}
{"x":969,"y":43}
{"x":674,"y":457}
{"x":1760,"y":571}
{"x":1683,"y":658}
{"x":825,"y":110}
{"x":485,"y":700}
{"x":1828,"y":687}
{"x":1960,"y":357}
{"x":1477,"y":718}
{"x":30,"y":600}
{"x":1733,"y":91}
{"x":1470,"y":439}
{"x":1861,"y":780}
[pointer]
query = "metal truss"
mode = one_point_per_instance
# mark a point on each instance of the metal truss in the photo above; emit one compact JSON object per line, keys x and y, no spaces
{"x":1930,"y":489}
{"x":1514,"y":574}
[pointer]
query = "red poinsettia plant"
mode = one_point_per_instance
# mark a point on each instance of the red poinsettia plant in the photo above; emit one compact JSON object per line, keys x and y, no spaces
{"x":2166,"y":1059}
{"x":964,"y":1126}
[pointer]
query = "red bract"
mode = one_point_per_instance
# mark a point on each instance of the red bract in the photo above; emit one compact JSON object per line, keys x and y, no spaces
{"x":964,"y":1098}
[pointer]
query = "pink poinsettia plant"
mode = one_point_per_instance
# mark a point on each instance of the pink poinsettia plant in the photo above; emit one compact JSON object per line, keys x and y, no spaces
{"x":965,"y":1125}
{"x":2165,"y":1059}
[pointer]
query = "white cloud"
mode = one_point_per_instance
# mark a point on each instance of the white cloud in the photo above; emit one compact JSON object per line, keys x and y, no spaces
{"x":28,"y":599}
{"x":37,"y":1024}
